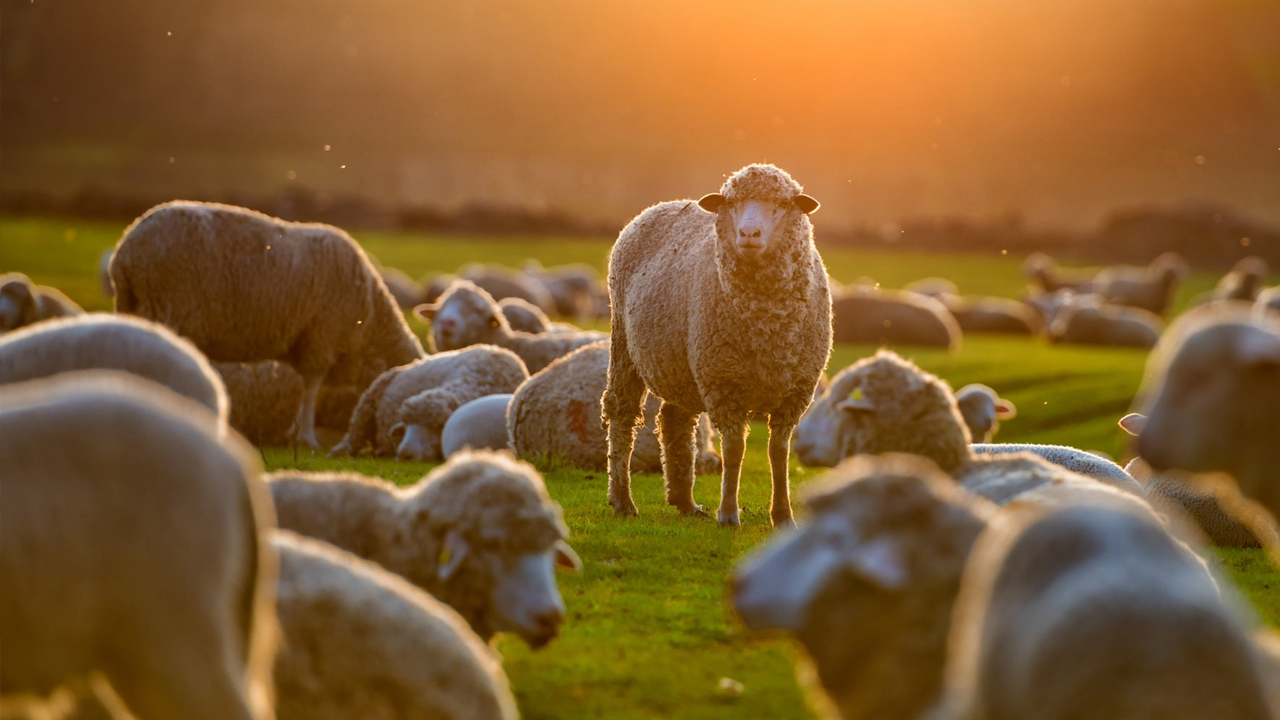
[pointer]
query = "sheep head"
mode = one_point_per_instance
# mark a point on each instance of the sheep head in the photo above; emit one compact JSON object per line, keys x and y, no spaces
{"x":464,"y":315}
{"x":752,"y":207}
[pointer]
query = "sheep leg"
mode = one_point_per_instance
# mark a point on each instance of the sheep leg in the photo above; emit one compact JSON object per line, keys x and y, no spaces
{"x":676,"y":431}
{"x":733,"y":446}
{"x":622,"y":410}
{"x":779,"y":450}
{"x":305,"y":423}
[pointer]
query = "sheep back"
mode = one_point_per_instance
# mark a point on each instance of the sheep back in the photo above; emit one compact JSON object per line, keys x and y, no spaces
{"x":892,"y":317}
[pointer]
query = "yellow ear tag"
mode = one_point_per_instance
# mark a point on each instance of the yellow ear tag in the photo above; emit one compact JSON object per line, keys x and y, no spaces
{"x":445,"y":555}
{"x":856,"y":394}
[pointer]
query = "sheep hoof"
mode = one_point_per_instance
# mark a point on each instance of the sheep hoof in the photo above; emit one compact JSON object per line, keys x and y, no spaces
{"x":694,"y":510}
{"x":783,"y":523}
{"x":626,"y":508}
{"x":729,"y":519}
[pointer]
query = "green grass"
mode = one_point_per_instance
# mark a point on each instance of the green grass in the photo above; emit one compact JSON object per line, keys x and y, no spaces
{"x":649,"y":632}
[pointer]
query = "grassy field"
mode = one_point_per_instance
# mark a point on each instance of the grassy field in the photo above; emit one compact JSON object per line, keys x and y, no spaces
{"x":650,"y":633}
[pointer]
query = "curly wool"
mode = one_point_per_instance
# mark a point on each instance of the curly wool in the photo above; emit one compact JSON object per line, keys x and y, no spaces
{"x":1203,"y":507}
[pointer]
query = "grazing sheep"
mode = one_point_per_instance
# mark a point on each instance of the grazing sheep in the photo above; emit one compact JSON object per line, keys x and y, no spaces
{"x":719,"y":306}
{"x":131,"y":549}
{"x":1086,"y":322}
{"x":982,"y":410}
{"x":404,"y":411}
{"x":1095,"y":611}
{"x":360,"y":642}
{"x":864,"y":314}
{"x":264,"y":398}
{"x":24,"y":303}
{"x":555,"y":414}
{"x":467,"y":315}
{"x":479,"y":425}
{"x":1244,"y":282}
{"x":1044,"y":272}
{"x":1203,"y":506}
{"x":479,"y":533}
{"x":1268,"y":300}
{"x":404,"y":289}
{"x":574,"y":288}
{"x":1213,"y":400}
{"x":109,"y":342}
{"x":1150,"y":288}
{"x":503,"y":282}
{"x":246,"y":287}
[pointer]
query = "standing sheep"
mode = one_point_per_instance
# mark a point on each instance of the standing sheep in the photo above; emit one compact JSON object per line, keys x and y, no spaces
{"x":467,"y":315}
{"x":479,"y":533}
{"x":1044,"y":272}
{"x":555,"y":414}
{"x":719,"y":306}
{"x":1095,"y":611}
{"x":23,"y":303}
{"x":982,"y":410}
{"x":1088,"y":322}
{"x":99,"y":341}
{"x":131,"y":548}
{"x":360,"y":642}
{"x":1150,"y":288}
{"x":867,"y":314}
{"x":404,"y":411}
{"x":246,"y":287}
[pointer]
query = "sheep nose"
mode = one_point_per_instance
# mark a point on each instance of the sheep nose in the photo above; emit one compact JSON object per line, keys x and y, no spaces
{"x":749,"y":233}
{"x":448,"y":323}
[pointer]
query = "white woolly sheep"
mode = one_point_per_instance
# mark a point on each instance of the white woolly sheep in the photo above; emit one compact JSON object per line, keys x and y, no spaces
{"x":1045,"y":273}
{"x":1150,"y":288}
{"x":246,"y":287}
{"x":360,"y":642}
{"x":404,"y":411}
{"x":1213,"y":400}
{"x":23,"y":303}
{"x":1204,"y":508}
{"x":868,"y":585}
{"x":503,"y":282}
{"x":109,"y":342}
{"x":976,"y":314}
{"x":1086,"y":322}
{"x":983,"y":409}
{"x":556,"y":414}
{"x":467,"y":315}
{"x":264,"y":399}
{"x":479,"y":425}
{"x":865,"y":314}
{"x":574,"y":288}
{"x":719,"y":306}
{"x":131,"y":548}
{"x":479,"y":533}
{"x":1096,"y":611}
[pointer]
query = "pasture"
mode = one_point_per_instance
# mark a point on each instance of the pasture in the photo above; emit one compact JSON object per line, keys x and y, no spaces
{"x":649,"y":632}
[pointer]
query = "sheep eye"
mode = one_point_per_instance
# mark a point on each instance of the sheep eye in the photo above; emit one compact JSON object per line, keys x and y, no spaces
{"x":493,"y":322}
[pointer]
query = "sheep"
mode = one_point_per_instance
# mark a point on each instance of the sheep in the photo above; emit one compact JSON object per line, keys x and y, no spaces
{"x":434,"y":284}
{"x":1048,"y":305}
{"x":992,"y":315}
{"x":1150,"y":288}
{"x":1093,"y":323}
{"x":264,"y":396}
{"x":503,"y":282}
{"x":719,"y":306}
{"x":1203,"y":507}
{"x":246,"y":287}
{"x":110,"y":342}
{"x":574,"y":288}
{"x":554,"y":415}
{"x":479,"y":425}
{"x":1268,"y":301}
{"x":934,"y":287}
{"x":23,"y":303}
{"x":360,"y":642}
{"x":1212,"y":400}
{"x":524,"y":316}
{"x":868,"y":585}
{"x":1044,"y":272}
{"x":404,"y":289}
{"x":131,"y":550}
{"x":1244,"y":282}
{"x":863,"y":314}
{"x":479,"y":533}
{"x":886,"y":404}
{"x":983,"y":409}
{"x":1096,"y":611}
{"x":405,"y":409}
{"x":468,"y":315}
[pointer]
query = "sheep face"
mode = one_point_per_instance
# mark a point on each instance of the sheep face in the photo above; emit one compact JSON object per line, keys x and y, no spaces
{"x":15,"y":301}
{"x":983,"y":410}
{"x":750,"y":208}
{"x":465,"y":315}
{"x":416,"y":442}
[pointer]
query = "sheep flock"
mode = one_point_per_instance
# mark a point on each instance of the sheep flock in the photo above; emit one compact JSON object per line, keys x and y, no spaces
{"x":155,"y":564}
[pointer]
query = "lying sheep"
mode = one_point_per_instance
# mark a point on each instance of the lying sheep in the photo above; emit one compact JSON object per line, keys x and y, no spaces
{"x":886,"y":404}
{"x":479,"y":533}
{"x":404,"y":411}
{"x":574,"y":288}
{"x":934,"y":287}
{"x":479,"y":425}
{"x":555,"y":414}
{"x":23,"y":303}
{"x":1085,"y":322}
{"x":246,"y":287}
{"x":1095,"y":611}
{"x":982,"y":410}
{"x":1212,"y":400}
{"x":360,"y":642}
{"x":864,"y":314}
{"x":1150,"y":288}
{"x":992,"y":315}
{"x":130,"y":549}
{"x":264,"y":398}
{"x":719,"y":306}
{"x":1169,"y":493}
{"x":1045,"y":273}
{"x":503,"y":282}
{"x":110,"y":342}
{"x":467,"y":315}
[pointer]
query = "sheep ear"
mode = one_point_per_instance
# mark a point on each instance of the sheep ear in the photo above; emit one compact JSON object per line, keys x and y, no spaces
{"x":566,"y":557}
{"x":1006,"y":410}
{"x":807,"y":204}
{"x":1133,"y":423}
{"x":426,"y":311}
{"x":452,"y":553}
{"x":1260,"y":349}
{"x":856,"y":402}
{"x":712,"y":202}
{"x":881,"y":561}
{"x":397,"y":431}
